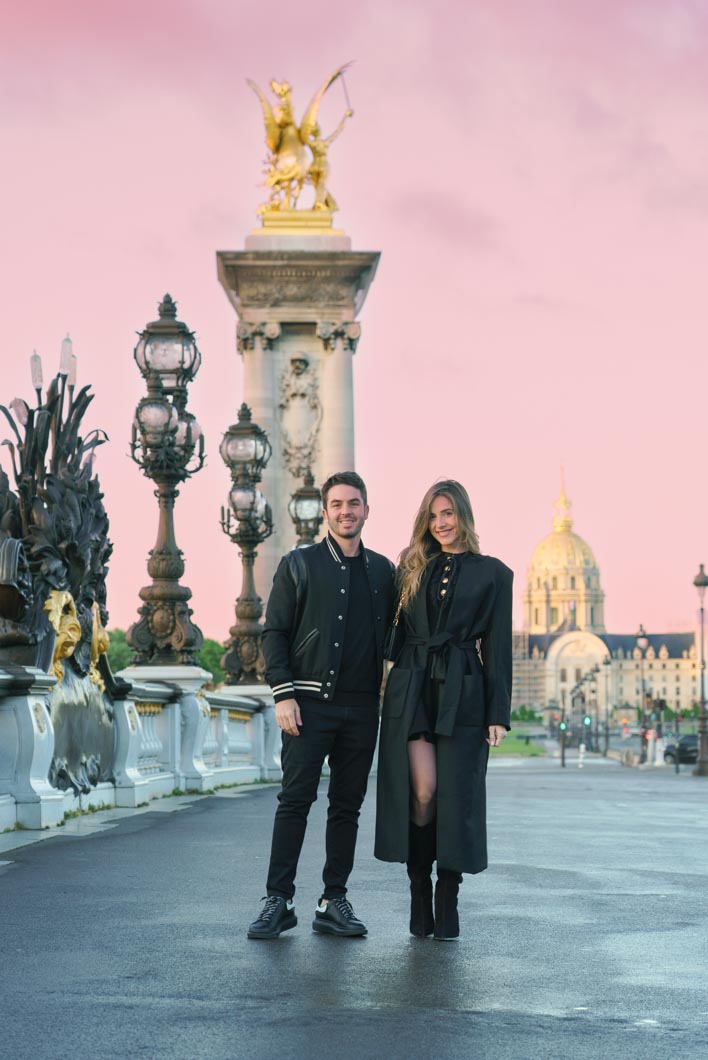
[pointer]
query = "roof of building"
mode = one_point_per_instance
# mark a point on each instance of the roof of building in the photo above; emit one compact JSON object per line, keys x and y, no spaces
{"x":676,"y":643}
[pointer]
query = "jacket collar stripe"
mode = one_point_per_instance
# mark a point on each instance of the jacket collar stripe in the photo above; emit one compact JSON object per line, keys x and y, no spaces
{"x":338,"y":555}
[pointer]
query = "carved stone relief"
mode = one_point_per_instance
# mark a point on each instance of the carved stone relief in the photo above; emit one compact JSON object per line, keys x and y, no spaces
{"x":300,"y":414}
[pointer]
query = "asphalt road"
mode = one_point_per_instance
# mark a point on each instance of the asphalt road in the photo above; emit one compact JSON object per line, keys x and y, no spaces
{"x":123,"y":935}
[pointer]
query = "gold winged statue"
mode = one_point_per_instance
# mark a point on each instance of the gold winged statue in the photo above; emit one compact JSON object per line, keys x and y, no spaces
{"x":297,"y":155}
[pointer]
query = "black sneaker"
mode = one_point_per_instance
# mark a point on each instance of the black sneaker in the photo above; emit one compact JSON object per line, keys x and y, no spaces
{"x":335,"y":916}
{"x":276,"y":915}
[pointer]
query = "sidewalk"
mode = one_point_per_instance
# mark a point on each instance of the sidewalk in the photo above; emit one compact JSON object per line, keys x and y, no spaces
{"x":124,"y":935}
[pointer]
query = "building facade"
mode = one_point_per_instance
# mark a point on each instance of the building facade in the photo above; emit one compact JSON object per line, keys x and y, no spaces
{"x":564,"y":641}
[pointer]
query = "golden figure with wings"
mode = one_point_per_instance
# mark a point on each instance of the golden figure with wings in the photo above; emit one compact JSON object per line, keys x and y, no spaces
{"x":297,"y":155}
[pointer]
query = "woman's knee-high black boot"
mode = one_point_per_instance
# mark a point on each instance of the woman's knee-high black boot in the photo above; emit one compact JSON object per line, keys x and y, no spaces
{"x":447,"y":922}
{"x":421,"y":855}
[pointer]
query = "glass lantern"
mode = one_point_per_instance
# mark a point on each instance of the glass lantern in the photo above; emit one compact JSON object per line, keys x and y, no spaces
{"x":156,"y":419}
{"x":305,"y":509}
{"x":168,"y":348}
{"x":641,"y":639}
{"x":245,"y":447}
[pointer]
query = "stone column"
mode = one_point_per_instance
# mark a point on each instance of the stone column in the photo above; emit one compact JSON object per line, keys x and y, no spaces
{"x":340,"y":342}
{"x":297,"y":295}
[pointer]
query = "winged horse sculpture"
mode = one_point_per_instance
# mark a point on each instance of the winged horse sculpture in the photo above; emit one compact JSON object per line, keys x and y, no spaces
{"x":297,"y":154}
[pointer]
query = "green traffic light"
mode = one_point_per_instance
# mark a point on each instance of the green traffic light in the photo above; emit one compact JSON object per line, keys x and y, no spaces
{"x":563,"y":726}
{"x":587,"y":719}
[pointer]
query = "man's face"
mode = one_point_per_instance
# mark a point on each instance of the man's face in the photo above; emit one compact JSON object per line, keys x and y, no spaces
{"x":346,"y":512}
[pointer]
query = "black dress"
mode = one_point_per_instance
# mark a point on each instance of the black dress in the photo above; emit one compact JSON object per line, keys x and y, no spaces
{"x":441,"y":587}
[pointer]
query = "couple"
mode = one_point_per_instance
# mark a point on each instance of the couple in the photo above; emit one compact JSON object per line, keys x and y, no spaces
{"x":447,"y":700}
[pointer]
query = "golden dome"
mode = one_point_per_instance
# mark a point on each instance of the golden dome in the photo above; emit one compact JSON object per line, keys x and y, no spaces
{"x":562,"y":549}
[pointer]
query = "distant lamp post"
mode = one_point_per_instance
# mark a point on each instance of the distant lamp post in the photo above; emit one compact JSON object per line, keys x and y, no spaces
{"x":168,"y":446}
{"x":701,"y":769}
{"x":305,"y":510}
{"x":595,"y":671}
{"x":607,"y":667}
{"x":245,"y":450}
{"x":642,"y":642}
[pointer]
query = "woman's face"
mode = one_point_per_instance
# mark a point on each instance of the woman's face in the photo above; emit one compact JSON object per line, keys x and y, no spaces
{"x":442,"y":523}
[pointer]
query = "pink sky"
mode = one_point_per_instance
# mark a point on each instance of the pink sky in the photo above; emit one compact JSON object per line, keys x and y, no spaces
{"x":536,"y":177}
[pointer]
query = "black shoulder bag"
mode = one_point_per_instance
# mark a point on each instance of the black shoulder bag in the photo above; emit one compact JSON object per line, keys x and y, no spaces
{"x":395,"y":636}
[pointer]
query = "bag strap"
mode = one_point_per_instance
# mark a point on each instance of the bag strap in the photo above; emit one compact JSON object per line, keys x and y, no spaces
{"x":398,"y":610}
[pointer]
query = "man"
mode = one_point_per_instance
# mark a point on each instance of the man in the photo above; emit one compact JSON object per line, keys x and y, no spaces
{"x":326,"y":619}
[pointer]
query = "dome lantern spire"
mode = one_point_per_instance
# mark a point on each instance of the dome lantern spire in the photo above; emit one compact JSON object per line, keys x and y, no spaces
{"x":562,"y":509}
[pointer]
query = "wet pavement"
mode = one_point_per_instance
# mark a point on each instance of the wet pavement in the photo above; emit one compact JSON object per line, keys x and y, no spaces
{"x":123,"y":935}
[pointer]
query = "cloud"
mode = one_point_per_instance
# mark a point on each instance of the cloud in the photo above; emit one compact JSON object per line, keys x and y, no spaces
{"x":440,"y":215}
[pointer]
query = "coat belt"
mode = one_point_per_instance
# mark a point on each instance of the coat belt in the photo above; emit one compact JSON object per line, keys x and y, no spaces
{"x":448,"y":665}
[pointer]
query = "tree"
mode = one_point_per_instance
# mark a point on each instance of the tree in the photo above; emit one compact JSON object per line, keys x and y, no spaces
{"x":210,"y":659}
{"x":118,"y":654}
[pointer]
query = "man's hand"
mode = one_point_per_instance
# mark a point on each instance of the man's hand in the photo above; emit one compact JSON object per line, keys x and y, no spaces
{"x":287,"y":715}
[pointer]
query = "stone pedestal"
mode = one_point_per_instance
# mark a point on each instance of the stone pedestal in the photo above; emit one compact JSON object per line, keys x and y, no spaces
{"x":27,"y":747}
{"x":297,"y":293}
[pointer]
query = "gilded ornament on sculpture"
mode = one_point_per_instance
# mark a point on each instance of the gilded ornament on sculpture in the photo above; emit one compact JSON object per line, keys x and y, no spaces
{"x":298,"y":154}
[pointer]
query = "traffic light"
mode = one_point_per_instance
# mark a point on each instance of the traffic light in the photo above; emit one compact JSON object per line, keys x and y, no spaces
{"x":563,"y":726}
{"x":587,"y":720}
{"x":556,"y":717}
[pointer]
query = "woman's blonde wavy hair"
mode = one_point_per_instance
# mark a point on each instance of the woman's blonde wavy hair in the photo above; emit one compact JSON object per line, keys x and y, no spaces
{"x":423,"y":547}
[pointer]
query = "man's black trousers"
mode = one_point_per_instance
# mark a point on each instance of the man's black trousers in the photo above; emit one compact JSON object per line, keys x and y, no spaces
{"x":348,"y":736}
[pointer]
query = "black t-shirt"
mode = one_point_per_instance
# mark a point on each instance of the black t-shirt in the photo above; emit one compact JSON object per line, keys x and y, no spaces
{"x":357,"y":684}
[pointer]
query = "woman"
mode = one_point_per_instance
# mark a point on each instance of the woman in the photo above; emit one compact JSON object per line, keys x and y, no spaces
{"x":447,"y":701}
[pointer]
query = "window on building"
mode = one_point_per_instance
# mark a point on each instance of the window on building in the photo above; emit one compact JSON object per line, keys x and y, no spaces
{"x":572,"y":581}
{"x":554,"y":616}
{"x":554,"y":582}
{"x":535,"y":616}
{"x":592,"y":616}
{"x":578,"y":674}
{"x":564,"y":675}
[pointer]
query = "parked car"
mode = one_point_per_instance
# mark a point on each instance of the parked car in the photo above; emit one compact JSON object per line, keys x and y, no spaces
{"x":687,"y":749}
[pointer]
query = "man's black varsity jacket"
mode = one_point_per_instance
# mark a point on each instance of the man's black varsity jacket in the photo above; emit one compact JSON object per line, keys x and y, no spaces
{"x":306,"y":617}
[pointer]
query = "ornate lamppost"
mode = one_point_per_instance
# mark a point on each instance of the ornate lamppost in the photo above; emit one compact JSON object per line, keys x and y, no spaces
{"x":305,"y":510}
{"x":607,"y":666}
{"x":168,"y":447}
{"x":701,"y":768}
{"x":245,"y":450}
{"x":642,"y":642}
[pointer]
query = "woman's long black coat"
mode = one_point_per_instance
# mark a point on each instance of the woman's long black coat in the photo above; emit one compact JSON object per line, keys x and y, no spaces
{"x":475,"y":694}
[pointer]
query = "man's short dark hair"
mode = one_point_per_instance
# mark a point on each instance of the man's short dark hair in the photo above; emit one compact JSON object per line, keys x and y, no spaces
{"x":344,"y":478}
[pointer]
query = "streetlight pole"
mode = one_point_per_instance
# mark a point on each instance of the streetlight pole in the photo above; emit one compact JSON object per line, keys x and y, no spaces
{"x":701,"y":769}
{"x":642,"y":642}
{"x":607,"y":664}
{"x":561,"y":725}
{"x":168,"y":446}
{"x":245,"y":449}
{"x":595,"y":671}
